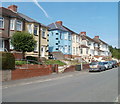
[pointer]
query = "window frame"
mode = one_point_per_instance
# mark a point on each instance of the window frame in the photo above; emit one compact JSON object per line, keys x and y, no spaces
{"x":2,"y":19}
{"x":19,"y":24}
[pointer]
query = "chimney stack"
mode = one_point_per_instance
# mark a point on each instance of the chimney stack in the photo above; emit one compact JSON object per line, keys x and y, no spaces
{"x":97,"y":37}
{"x":13,"y":8}
{"x":59,"y":22}
{"x":82,"y":33}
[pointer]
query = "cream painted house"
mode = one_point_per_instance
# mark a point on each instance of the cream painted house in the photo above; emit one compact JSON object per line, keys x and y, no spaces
{"x":40,"y":33}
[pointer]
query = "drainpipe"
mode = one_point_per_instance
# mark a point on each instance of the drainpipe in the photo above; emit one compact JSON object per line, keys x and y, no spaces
{"x":39,"y":54}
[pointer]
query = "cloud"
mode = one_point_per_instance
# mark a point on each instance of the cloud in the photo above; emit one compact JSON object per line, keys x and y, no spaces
{"x":36,"y":2}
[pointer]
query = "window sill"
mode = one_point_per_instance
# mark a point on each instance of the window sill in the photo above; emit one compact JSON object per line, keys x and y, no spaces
{"x":12,"y":30}
{"x":2,"y":29}
{"x":43,"y":37}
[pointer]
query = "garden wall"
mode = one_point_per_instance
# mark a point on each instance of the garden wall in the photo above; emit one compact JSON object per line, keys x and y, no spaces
{"x":21,"y":73}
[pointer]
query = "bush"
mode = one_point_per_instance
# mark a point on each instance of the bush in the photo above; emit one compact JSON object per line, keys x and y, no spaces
{"x":8,"y":60}
{"x":21,"y":62}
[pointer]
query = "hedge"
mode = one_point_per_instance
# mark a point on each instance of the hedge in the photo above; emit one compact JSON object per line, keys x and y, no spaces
{"x":8,"y":61}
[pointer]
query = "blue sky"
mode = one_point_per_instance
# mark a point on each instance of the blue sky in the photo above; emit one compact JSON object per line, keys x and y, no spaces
{"x":96,"y":18}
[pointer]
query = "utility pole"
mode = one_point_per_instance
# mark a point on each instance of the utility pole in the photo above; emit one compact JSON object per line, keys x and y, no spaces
{"x":39,"y":54}
{"x":80,"y":51}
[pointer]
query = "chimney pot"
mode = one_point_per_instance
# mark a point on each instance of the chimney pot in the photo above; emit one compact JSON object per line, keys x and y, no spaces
{"x":13,"y":8}
{"x":59,"y":22}
{"x":97,"y":37}
{"x":82,"y":33}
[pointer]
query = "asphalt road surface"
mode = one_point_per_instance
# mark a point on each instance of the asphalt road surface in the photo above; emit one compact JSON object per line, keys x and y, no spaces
{"x":73,"y":87}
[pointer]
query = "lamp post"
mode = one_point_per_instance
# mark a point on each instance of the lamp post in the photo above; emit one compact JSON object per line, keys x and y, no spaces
{"x":81,"y":51}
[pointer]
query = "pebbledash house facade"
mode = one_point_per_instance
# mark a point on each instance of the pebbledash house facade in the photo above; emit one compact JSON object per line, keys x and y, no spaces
{"x":53,"y":41}
{"x":11,"y":21}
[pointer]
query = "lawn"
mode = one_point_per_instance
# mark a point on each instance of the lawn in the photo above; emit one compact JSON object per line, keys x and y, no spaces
{"x":60,"y":63}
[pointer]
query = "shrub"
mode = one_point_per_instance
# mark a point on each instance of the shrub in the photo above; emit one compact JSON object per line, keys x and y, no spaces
{"x":8,"y":61}
{"x":21,"y":62}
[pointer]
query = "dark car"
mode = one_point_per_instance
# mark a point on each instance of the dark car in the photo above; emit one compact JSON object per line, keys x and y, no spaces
{"x":114,"y":63}
{"x":96,"y":66}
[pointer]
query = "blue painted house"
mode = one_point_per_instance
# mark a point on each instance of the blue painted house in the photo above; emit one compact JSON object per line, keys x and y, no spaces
{"x":60,"y":40}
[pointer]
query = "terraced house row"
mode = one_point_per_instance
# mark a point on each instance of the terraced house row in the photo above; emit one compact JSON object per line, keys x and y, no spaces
{"x":53,"y":41}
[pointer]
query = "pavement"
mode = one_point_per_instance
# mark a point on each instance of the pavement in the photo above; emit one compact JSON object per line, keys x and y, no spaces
{"x":78,"y":86}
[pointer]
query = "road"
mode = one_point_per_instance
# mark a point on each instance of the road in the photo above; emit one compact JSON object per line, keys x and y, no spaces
{"x":73,"y":87}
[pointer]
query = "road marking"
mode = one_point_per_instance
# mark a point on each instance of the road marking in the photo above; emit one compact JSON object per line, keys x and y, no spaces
{"x":38,"y":81}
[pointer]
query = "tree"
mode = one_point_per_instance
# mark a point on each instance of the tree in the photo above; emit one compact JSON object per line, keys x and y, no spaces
{"x":23,"y":41}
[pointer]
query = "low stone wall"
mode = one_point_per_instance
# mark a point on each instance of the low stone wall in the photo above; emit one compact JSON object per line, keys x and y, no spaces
{"x":6,"y":75}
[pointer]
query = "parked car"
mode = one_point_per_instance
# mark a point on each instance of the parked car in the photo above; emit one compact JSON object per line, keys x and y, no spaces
{"x":114,"y":63}
{"x":96,"y":66}
{"x":107,"y":64}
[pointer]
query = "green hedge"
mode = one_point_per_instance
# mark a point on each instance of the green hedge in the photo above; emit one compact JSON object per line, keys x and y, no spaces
{"x":8,"y":60}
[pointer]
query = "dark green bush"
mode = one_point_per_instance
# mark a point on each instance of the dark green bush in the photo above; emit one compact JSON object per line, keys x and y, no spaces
{"x":8,"y":61}
{"x":31,"y":58}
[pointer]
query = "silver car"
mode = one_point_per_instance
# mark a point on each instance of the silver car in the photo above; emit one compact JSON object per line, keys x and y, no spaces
{"x":107,"y":64}
{"x":96,"y":66}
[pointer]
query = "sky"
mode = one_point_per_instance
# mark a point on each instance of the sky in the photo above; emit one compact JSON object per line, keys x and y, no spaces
{"x":96,"y":18}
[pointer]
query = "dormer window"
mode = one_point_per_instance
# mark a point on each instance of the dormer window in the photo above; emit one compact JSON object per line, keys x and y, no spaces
{"x":1,"y":22}
{"x":19,"y":25}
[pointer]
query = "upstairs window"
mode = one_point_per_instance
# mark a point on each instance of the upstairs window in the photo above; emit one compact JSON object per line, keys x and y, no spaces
{"x":1,"y":22}
{"x":12,"y":24}
{"x":60,"y":35}
{"x":69,"y":36}
{"x":19,"y":25}
{"x":30,"y":28}
{"x":43,"y":33}
{"x":66,"y":36}
{"x":35,"y":30}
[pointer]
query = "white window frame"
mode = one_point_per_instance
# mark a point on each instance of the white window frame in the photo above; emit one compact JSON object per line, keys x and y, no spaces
{"x":2,"y":21}
{"x":66,"y":49}
{"x":19,"y":23}
{"x":12,"y":24}
{"x":66,"y":36}
{"x":29,"y":27}
{"x":43,"y":33}
{"x":34,"y":29}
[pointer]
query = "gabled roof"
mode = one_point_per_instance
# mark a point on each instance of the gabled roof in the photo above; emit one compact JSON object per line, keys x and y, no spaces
{"x":99,"y":41}
{"x":69,"y":30}
{"x":56,"y":26}
{"x":9,"y":13}
{"x":87,"y":37}
{"x":29,"y":19}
